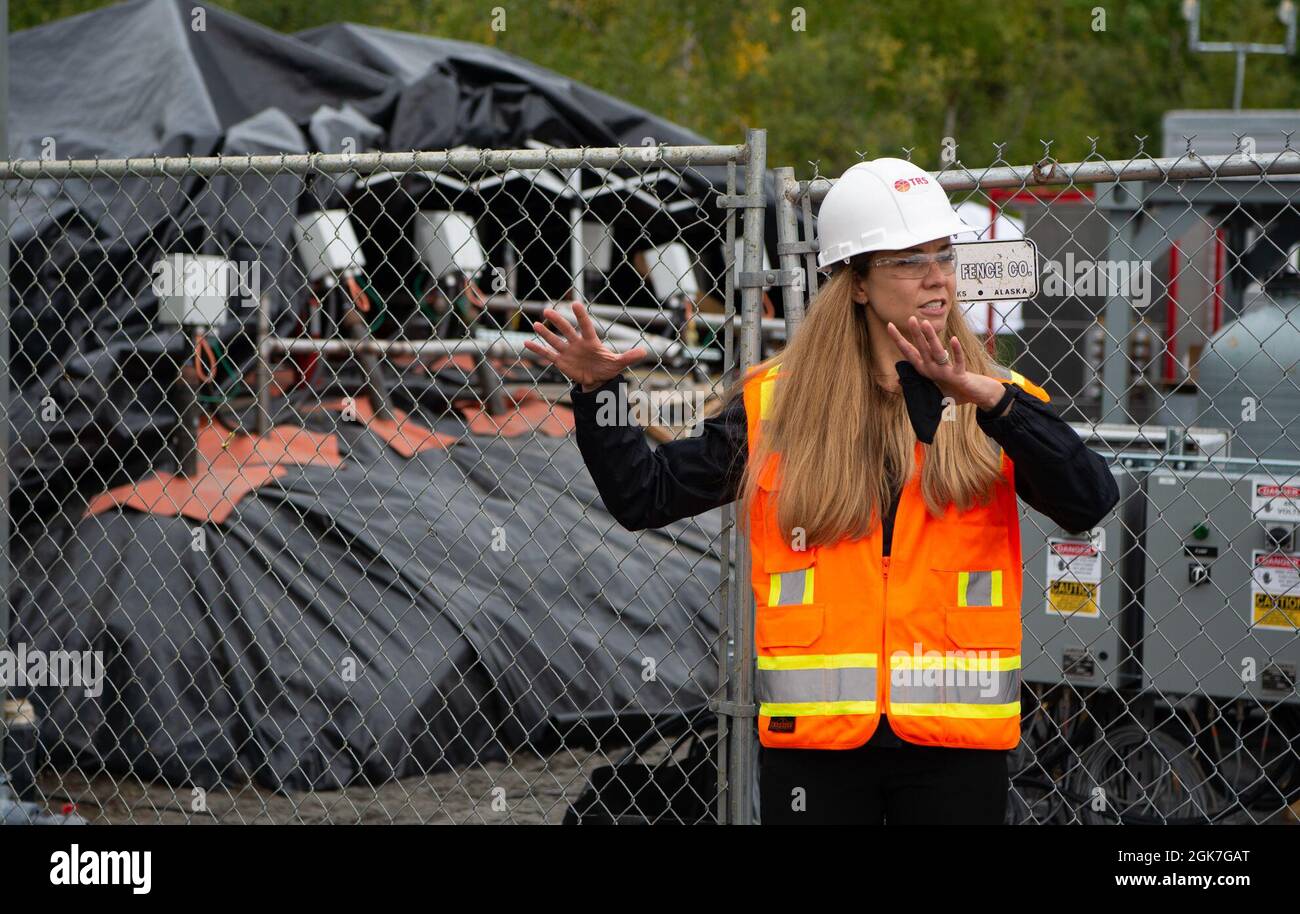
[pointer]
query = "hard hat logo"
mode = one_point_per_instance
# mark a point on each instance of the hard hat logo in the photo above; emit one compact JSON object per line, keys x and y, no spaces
{"x":871,"y":208}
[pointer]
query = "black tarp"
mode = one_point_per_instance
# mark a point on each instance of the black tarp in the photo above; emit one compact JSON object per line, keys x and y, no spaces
{"x":225,"y":663}
{"x":357,"y":623}
{"x":143,"y":78}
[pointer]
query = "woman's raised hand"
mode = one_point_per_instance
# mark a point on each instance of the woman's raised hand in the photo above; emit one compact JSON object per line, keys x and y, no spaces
{"x":926,"y":353}
{"x":578,"y":353}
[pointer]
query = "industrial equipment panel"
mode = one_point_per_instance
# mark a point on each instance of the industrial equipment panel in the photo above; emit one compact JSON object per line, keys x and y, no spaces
{"x":1074,"y":598}
{"x":1221,"y":596}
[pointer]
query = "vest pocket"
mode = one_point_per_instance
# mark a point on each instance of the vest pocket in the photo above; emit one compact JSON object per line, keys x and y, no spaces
{"x":782,"y":561}
{"x":784,"y":574}
{"x":788,"y":626}
{"x":778,"y":556}
{"x":997,"y":627}
{"x":979,"y":611}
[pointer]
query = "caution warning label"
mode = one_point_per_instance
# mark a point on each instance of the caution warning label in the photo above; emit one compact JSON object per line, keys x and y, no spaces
{"x":1275,"y":590}
{"x":1074,"y":576}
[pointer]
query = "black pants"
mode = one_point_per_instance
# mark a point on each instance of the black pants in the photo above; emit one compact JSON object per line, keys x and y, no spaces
{"x":908,"y":785}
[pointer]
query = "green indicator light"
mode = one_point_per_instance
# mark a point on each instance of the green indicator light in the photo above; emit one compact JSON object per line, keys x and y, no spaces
{"x":1201,"y":532}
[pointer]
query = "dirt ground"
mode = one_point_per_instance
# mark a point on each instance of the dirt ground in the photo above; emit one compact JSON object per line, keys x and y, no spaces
{"x":527,"y":789}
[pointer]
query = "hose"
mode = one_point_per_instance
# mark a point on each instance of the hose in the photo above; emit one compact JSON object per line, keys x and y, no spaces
{"x":1165,"y":772}
{"x":203,"y":354}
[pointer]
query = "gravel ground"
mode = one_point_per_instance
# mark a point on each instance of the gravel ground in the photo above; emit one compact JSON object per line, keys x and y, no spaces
{"x":526,"y":789}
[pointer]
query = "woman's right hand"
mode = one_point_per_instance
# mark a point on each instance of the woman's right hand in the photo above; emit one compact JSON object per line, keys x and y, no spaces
{"x":579,"y":354}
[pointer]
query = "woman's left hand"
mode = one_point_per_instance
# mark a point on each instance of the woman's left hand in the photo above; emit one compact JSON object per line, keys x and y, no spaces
{"x":925,"y":352}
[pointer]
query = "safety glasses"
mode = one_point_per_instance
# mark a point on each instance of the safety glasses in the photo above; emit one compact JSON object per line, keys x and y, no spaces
{"x":915,"y":266}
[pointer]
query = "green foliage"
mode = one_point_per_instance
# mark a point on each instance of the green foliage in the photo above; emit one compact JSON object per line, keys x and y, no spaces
{"x":836,"y":79}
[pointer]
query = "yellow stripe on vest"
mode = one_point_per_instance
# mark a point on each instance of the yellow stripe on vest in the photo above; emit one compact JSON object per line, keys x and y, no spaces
{"x":1010,"y":709}
{"x":765,"y":389}
{"x":816,"y":661}
{"x":816,"y":708}
{"x":977,"y":663}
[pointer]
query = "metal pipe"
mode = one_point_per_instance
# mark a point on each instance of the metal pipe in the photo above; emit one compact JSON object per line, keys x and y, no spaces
{"x":6,"y":418}
{"x":661,"y":347}
{"x":355,"y":326}
{"x":262,"y":419}
{"x":492,"y":388}
{"x":1115,"y":364}
{"x":787,"y":233}
{"x":297,"y":345}
{"x":501,"y":348}
{"x":182,"y":398}
{"x":1125,"y":437}
{"x":743,"y":776}
{"x":577,"y":266}
{"x":1170,"y":361}
{"x":638,"y":158}
{"x":1189,"y":167}
{"x":809,"y":228}
{"x":641,"y":318}
{"x":1216,"y":320}
{"x":728,"y":593}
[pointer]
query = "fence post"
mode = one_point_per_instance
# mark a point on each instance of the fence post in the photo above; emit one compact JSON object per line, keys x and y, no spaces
{"x":788,"y":248}
{"x":740,"y":757}
{"x":5,"y":418}
{"x":1118,"y":320}
{"x":730,"y":592}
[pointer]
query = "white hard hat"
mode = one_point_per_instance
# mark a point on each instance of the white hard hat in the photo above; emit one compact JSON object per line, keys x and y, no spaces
{"x":882,"y":205}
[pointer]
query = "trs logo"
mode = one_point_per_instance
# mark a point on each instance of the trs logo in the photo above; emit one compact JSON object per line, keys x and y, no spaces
{"x":905,"y":184}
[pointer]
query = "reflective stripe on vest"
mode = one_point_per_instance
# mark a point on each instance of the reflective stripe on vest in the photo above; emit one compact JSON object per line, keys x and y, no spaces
{"x":766,"y":386}
{"x":971,"y":686}
{"x":805,"y":685}
{"x":790,"y":587}
{"x":979,"y":588}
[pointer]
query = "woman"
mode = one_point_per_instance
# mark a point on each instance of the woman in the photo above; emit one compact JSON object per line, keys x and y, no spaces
{"x":877,"y":471}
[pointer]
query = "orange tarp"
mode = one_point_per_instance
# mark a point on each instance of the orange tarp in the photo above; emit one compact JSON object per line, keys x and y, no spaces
{"x":531,"y":413}
{"x":229,"y":467}
{"x":403,"y":434}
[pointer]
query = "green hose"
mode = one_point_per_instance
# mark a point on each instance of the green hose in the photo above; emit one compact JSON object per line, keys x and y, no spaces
{"x":374,"y":297}
{"x":222,"y":359}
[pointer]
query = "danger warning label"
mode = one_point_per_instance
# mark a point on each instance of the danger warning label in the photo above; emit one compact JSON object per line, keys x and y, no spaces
{"x":1271,"y":500}
{"x":1275,"y":590}
{"x":1074,"y":576}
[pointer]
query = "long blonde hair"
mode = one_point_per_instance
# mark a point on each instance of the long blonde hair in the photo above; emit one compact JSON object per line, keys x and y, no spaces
{"x":842,"y":437}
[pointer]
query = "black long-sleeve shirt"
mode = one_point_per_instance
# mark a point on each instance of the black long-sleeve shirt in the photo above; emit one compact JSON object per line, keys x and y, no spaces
{"x":1055,"y":472}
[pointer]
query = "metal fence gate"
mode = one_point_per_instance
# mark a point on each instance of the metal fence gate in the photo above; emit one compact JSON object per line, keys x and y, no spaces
{"x":299,"y":533}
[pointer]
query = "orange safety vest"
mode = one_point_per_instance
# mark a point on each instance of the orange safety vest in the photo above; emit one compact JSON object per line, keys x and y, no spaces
{"x":931,"y":636}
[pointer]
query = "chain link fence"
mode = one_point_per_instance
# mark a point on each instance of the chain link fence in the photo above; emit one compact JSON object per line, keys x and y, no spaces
{"x":300,"y":532}
{"x":1158,"y":666}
